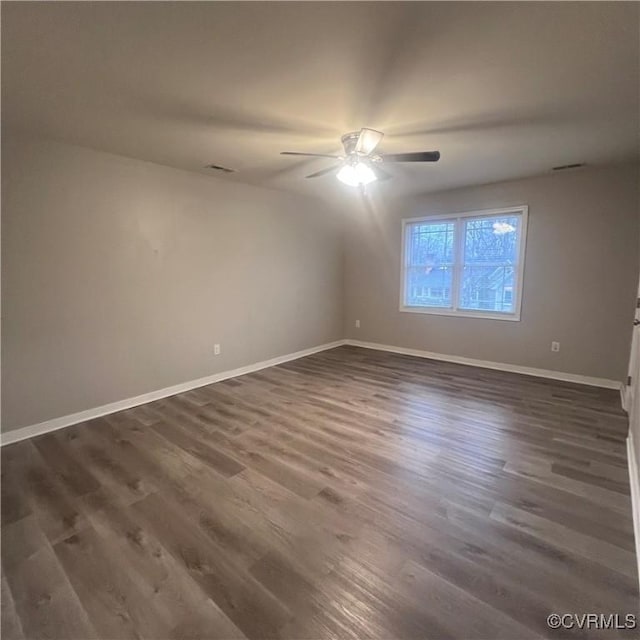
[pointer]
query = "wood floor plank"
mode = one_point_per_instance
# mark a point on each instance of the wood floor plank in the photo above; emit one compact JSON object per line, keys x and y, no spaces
{"x":10,"y":625}
{"x":555,"y":573}
{"x":21,"y":540}
{"x":620,"y":486}
{"x":77,"y":480}
{"x":181,"y":437}
{"x":597,"y":550}
{"x":49,"y":499}
{"x":543,"y":474}
{"x":348,"y":494}
{"x":489,"y":559}
{"x":248,"y":605}
{"x":444,"y":599}
{"x":164,"y":585}
{"x":109,"y":592}
{"x":87,"y":448}
{"x":45,"y":602}
{"x":273,"y":467}
{"x":14,"y":501}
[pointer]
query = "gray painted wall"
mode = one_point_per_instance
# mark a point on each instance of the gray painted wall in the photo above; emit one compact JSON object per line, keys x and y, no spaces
{"x":580,"y":274}
{"x":118,"y":277}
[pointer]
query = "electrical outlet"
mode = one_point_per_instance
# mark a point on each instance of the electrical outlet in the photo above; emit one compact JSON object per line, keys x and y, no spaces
{"x":357,"y":324}
{"x":555,"y":346}
{"x":216,"y":349}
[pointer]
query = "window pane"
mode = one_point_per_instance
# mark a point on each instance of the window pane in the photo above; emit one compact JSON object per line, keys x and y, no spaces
{"x":428,"y":287}
{"x":490,"y":256}
{"x":430,"y":244}
{"x":487,"y":288}
{"x":493,"y":240}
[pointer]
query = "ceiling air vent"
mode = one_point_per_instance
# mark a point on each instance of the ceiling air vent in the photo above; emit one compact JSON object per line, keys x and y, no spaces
{"x":217,"y":167}
{"x":564,"y":167}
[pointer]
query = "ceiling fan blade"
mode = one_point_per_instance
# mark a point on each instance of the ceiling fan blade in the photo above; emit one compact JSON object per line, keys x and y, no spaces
{"x":311,"y":155}
{"x":418,"y":156}
{"x":323,"y":172}
{"x":368,"y":140}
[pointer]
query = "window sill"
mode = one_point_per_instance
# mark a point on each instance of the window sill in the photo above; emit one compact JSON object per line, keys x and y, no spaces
{"x":486,"y":315}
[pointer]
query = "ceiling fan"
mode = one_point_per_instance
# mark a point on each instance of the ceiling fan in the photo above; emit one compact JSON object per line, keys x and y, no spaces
{"x":360,"y":165}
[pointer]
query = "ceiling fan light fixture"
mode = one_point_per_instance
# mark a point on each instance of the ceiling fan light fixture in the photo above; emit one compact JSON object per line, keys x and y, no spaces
{"x":360,"y":164}
{"x":356,"y":174}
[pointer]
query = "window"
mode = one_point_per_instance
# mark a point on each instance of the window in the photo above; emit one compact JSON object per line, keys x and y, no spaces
{"x":466,"y":264}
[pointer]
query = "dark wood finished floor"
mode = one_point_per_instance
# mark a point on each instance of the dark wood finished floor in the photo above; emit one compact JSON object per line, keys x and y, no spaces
{"x":349,"y":494}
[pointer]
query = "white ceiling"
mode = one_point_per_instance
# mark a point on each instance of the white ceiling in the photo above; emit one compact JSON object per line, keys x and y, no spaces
{"x":503,"y":90}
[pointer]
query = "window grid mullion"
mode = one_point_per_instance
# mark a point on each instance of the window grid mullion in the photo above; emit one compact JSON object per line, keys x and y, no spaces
{"x":458,"y":258}
{"x":513,"y":265}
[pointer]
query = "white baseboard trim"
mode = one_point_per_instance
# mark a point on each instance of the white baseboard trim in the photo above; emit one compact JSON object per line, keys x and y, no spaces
{"x":82,"y":416}
{"x":486,"y":364}
{"x":624,"y":398}
{"x":634,"y":481}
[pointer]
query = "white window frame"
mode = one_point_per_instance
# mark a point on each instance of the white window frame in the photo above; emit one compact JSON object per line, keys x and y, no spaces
{"x":522,"y":210}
